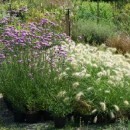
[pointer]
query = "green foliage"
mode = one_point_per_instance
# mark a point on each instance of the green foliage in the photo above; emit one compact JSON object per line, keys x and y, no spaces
{"x":94,"y":75}
{"x":122,"y":18}
{"x":36,"y":88}
{"x":21,"y":92}
{"x":88,"y":10}
{"x":60,"y":100}
{"x":90,"y":31}
{"x":31,"y":82}
{"x":34,"y":71}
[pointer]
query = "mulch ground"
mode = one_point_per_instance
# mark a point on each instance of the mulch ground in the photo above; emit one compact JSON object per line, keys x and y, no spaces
{"x":7,"y":123}
{"x":7,"y":120}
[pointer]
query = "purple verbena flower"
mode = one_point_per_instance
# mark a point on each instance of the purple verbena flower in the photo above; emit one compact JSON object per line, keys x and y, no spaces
{"x":2,"y":56}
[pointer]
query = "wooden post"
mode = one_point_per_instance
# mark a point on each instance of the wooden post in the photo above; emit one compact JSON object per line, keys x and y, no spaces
{"x":98,"y":11}
{"x":67,"y":21}
{"x":10,"y":10}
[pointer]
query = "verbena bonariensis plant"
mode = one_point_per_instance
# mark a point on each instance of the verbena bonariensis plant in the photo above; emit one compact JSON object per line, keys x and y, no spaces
{"x":34,"y":56}
{"x":3,"y":22}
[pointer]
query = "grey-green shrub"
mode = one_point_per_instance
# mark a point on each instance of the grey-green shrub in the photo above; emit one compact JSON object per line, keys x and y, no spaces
{"x":89,"y":31}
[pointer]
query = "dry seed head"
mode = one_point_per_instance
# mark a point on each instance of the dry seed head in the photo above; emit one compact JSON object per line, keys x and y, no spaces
{"x":90,"y":88}
{"x":112,"y":115}
{"x":126,"y":102}
{"x":93,"y":111}
{"x":103,"y":106}
{"x":75,"y":85}
{"x":61,"y":93}
{"x":66,"y":99}
{"x":87,"y":75}
{"x":95,"y":119}
{"x":116,"y":107}
{"x":107,"y":91}
{"x":79,"y":95}
{"x":63,"y":75}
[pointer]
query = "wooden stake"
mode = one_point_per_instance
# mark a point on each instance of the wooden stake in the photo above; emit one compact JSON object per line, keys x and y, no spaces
{"x":67,"y":20}
{"x":98,"y":11}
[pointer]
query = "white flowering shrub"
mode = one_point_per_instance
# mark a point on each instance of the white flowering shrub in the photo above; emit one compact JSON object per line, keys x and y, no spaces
{"x":101,"y":79}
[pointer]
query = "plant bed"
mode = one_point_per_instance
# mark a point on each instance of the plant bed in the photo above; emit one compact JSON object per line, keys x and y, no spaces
{"x":78,"y":118}
{"x":103,"y":118}
{"x":59,"y":122}
{"x":32,"y":117}
{"x":50,"y":76}
{"x":46,"y":116}
{"x":70,"y":116}
{"x":19,"y":116}
{"x":8,"y":103}
{"x":99,"y":118}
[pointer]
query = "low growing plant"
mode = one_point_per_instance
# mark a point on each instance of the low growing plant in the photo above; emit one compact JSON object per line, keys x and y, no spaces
{"x":121,"y":42}
{"x":61,"y":97}
{"x":90,"y":32}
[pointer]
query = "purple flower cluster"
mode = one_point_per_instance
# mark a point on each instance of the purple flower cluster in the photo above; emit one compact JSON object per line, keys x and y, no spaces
{"x":2,"y":56}
{"x":36,"y":37}
{"x":4,"y":21}
{"x":34,"y":34}
{"x":60,"y":50}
